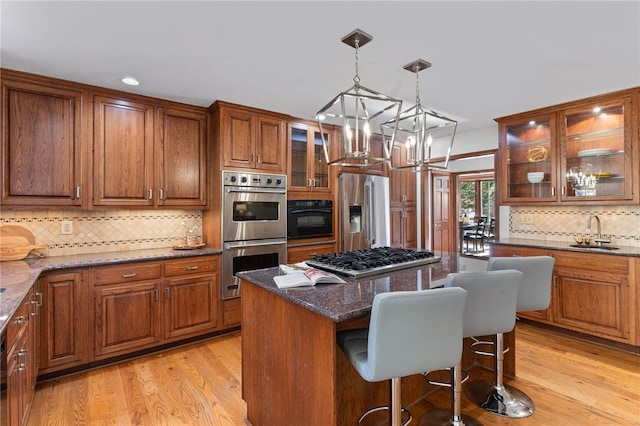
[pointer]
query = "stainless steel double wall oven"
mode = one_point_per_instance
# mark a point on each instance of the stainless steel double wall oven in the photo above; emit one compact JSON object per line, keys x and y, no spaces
{"x":254,"y":225}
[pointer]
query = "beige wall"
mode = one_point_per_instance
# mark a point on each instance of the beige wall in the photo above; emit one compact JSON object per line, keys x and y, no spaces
{"x":105,"y":231}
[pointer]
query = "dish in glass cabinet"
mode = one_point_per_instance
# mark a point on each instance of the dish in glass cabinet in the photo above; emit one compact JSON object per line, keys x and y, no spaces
{"x":535,"y":177}
{"x":594,"y":152}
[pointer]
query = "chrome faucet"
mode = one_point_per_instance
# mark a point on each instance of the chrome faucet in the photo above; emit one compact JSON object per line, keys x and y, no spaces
{"x":598,"y":240}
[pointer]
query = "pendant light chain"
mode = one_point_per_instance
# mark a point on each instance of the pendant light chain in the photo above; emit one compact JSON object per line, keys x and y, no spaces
{"x":417,"y":86}
{"x":356,"y":78}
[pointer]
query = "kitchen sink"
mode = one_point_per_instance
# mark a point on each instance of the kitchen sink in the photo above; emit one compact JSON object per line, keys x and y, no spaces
{"x":595,"y":247}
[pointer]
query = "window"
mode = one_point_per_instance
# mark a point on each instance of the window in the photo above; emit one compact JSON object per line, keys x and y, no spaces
{"x":477,"y":195}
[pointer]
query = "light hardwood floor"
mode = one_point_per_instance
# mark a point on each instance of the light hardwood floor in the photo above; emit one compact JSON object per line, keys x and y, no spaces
{"x":572,"y":383}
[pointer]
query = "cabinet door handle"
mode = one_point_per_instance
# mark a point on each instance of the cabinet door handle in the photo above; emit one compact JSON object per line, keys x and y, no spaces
{"x":157,"y":294}
{"x":553,"y":191}
{"x":562,"y":192}
{"x":22,"y":319}
{"x":258,"y":157}
{"x":23,"y":353}
{"x":77,"y":192}
{"x":314,"y":182}
{"x":191,"y":268}
{"x":129,"y":275}
{"x":161,"y":194}
{"x":168,"y":293}
{"x":150,"y":195}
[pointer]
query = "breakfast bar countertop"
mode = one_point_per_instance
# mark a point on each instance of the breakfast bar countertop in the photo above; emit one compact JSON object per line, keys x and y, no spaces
{"x":623,"y":250}
{"x":17,"y":277}
{"x":340,"y":302}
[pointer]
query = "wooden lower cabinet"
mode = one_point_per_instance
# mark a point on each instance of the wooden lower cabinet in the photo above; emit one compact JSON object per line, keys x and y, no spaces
{"x":64,"y":334}
{"x":301,"y":253}
{"x":21,"y":362}
{"x":592,"y":293}
{"x":127,"y":317}
{"x":190,"y":305}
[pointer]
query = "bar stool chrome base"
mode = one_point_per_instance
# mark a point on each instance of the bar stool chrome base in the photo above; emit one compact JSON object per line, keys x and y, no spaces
{"x":386,"y":407}
{"x":443,"y":418}
{"x":503,"y":400}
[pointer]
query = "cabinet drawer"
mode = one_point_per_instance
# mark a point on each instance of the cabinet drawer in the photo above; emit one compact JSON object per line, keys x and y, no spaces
{"x":191,"y":265}
{"x":121,"y":273}
{"x":593,"y":262}
{"x":19,"y":321}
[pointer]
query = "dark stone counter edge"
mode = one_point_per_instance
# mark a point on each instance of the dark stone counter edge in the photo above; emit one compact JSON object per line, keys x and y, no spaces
{"x":17,"y":277}
{"x":627,"y":251}
{"x":263,"y":278}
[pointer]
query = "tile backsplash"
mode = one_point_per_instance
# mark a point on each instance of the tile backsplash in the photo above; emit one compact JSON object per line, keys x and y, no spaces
{"x":105,"y":231}
{"x":621,"y":224}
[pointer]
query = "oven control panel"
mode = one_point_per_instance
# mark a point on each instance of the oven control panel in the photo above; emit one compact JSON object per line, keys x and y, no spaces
{"x":256,"y":180}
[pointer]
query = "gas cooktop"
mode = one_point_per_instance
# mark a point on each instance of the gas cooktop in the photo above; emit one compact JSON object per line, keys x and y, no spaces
{"x":373,"y":261}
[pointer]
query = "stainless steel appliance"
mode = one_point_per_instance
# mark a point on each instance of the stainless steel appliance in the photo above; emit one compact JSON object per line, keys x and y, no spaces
{"x":254,"y":225}
{"x":309,"y":218}
{"x":364,"y":211}
{"x":372,"y":261}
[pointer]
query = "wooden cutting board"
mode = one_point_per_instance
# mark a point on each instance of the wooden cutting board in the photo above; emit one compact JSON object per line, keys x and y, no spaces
{"x":17,"y":242}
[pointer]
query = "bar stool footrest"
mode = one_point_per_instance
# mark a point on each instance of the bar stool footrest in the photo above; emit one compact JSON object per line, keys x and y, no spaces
{"x":386,"y":407}
{"x":465,"y":377}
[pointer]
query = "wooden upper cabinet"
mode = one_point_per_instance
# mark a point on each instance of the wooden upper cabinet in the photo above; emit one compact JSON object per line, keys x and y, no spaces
{"x":123,"y":153}
{"x":41,"y":145}
{"x":402,"y":185}
{"x":252,"y":140}
{"x":142,"y":161}
{"x":181,"y":151}
{"x":586,"y":152}
{"x":308,"y":169}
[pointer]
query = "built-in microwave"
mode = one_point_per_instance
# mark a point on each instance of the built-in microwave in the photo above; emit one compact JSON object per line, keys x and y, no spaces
{"x":309,"y":218}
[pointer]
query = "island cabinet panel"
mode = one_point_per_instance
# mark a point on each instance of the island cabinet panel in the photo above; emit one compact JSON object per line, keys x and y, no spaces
{"x":41,"y":145}
{"x":278,"y":371}
{"x":181,"y":143}
{"x":123,"y":153}
{"x":64,"y":330}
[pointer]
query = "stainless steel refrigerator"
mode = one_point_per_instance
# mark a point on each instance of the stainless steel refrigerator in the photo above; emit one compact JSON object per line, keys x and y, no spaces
{"x":364,"y":211}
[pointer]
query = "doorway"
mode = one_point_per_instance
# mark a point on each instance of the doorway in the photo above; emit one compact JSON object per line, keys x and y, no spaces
{"x":476,"y":211}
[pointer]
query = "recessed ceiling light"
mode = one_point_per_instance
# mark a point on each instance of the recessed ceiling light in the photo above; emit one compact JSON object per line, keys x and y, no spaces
{"x":130,"y":81}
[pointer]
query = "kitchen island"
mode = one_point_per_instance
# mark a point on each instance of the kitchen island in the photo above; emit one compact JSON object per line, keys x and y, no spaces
{"x":292,"y":370}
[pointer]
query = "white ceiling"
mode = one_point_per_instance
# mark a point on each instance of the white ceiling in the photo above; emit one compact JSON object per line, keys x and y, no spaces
{"x":490,"y":59}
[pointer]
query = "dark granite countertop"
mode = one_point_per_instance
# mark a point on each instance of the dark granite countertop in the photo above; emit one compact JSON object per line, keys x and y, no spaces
{"x":629,"y":251}
{"x":17,"y":277}
{"x":341,"y":302}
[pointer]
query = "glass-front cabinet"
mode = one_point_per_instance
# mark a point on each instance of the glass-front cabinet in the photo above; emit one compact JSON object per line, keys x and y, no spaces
{"x":596,"y":151}
{"x":529,"y":159}
{"x":308,"y":169}
{"x":579,"y":152}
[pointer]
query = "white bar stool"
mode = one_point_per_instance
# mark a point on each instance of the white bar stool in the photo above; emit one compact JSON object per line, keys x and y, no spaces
{"x":490,"y":309}
{"x":535,"y":294}
{"x":409,"y":332}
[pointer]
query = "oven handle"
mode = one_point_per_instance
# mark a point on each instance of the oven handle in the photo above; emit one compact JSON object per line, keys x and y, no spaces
{"x":230,"y":189}
{"x":310,"y":211}
{"x":244,"y":244}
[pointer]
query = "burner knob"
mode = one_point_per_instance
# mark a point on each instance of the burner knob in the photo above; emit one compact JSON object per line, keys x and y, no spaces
{"x":243,"y":179}
{"x":269,"y":181}
{"x":232,"y":178}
